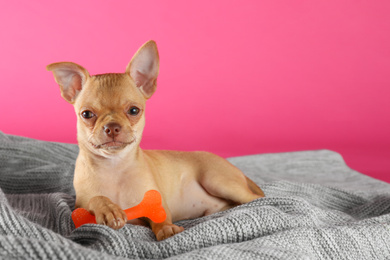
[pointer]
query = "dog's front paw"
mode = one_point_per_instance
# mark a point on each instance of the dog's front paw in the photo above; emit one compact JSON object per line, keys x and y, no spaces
{"x":167,"y":231}
{"x":107,"y":213}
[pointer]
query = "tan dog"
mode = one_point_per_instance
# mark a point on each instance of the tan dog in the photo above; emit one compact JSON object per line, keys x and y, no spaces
{"x":113,"y":173}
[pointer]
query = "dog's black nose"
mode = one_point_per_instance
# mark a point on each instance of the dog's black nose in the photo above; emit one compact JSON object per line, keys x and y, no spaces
{"x":112,"y":129}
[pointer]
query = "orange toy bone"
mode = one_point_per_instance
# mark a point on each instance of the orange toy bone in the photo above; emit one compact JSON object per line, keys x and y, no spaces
{"x":149,"y":207}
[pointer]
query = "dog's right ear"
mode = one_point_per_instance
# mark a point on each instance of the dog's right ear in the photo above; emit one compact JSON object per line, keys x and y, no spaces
{"x":71,"y":77}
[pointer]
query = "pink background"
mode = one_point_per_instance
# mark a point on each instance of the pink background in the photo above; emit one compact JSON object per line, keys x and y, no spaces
{"x":236,"y":78}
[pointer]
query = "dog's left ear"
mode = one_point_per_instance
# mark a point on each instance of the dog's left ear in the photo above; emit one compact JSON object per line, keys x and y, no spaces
{"x":143,"y":68}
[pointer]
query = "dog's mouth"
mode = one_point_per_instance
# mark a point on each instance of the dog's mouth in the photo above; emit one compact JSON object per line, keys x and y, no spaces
{"x":111,"y":145}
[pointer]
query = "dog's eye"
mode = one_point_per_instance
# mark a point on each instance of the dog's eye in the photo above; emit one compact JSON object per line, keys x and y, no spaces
{"x":87,"y":114}
{"x":133,"y":111}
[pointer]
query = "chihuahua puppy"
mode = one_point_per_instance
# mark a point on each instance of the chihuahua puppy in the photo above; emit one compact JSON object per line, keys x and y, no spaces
{"x":113,"y":173}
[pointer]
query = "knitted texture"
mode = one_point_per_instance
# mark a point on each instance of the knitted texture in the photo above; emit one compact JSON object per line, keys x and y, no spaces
{"x":315,"y":208}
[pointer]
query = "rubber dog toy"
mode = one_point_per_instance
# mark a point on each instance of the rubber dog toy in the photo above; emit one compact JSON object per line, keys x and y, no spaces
{"x":149,"y":207}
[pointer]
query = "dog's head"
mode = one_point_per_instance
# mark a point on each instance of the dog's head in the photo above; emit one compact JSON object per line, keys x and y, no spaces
{"x":110,"y":107}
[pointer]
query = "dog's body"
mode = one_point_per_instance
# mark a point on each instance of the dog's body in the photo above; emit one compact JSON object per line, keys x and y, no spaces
{"x":113,"y":173}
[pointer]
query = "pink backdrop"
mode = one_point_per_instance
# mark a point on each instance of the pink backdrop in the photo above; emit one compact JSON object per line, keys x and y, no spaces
{"x":236,"y":78}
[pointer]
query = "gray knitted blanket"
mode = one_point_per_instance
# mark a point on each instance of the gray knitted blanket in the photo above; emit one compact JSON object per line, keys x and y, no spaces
{"x":315,"y":208}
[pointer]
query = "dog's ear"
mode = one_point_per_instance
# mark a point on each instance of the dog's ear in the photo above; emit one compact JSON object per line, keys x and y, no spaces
{"x":71,"y":77}
{"x":143,"y":68}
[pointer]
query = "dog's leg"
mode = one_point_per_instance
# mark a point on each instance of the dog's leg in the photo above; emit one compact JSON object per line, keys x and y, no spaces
{"x":107,"y":212}
{"x":165,"y":229}
{"x":229,"y":187}
{"x":225,"y":181}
